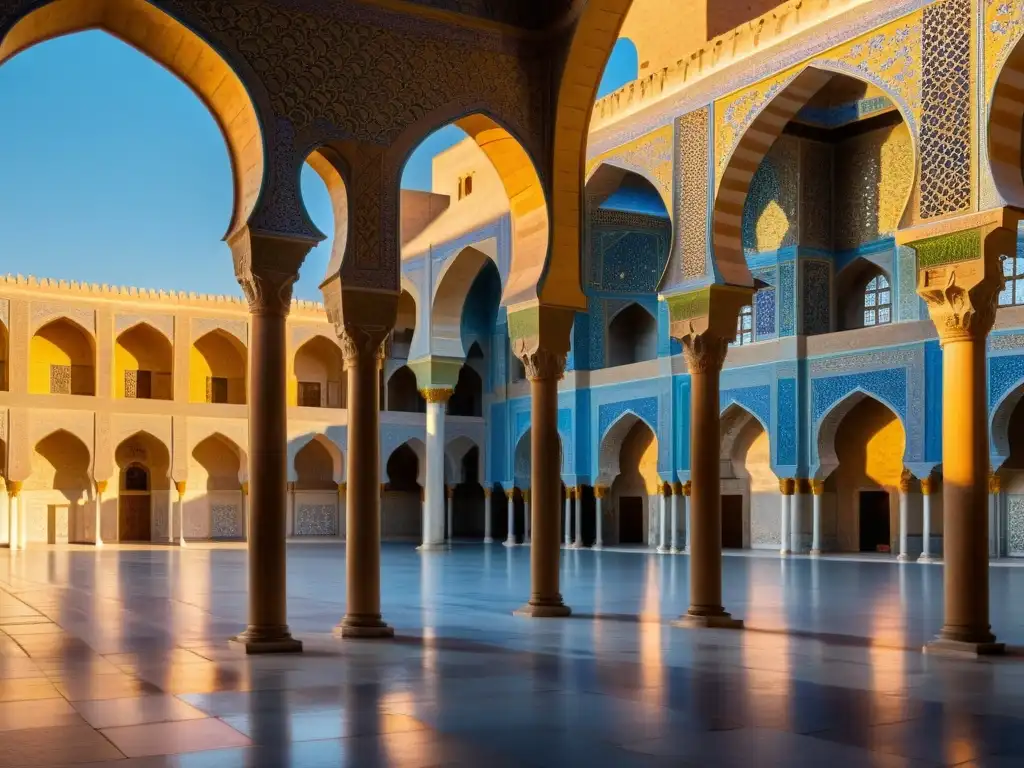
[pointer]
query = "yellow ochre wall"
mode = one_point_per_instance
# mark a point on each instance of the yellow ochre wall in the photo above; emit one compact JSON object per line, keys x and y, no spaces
{"x":144,"y":349}
{"x":58,"y":343}
{"x":216,"y":354}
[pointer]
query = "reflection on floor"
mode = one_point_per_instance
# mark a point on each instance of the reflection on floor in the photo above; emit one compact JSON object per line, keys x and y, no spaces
{"x":120,"y":654}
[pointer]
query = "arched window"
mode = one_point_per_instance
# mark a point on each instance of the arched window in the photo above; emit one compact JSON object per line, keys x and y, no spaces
{"x":745,"y":326}
{"x":877,"y":301}
{"x":467,"y":187}
{"x":1013,"y":293}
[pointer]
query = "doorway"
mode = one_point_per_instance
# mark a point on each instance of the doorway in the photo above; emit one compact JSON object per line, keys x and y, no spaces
{"x":133,"y":505}
{"x":57,"y":521}
{"x":732,"y":522}
{"x":874,"y":521}
{"x":631,"y":520}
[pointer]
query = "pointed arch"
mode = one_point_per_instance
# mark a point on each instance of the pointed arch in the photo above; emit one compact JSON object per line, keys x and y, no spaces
{"x":162,"y":38}
{"x":62,"y":358}
{"x":632,"y":335}
{"x":610,"y":449}
{"x":456,"y":452}
{"x":143,"y":447}
{"x":453,"y":287}
{"x":767,"y":125}
{"x":217,"y":369}
{"x":999,"y":423}
{"x":332,"y":450}
{"x":1006,"y":128}
{"x":607,"y":177}
{"x":318,"y":372}
{"x":413,"y":447}
{"x":62,"y":462}
{"x":143,"y":363}
{"x":735,"y":418}
{"x":829,"y":424}
{"x":220,"y":462}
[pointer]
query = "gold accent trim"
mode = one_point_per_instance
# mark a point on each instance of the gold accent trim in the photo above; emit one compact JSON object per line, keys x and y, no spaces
{"x":436,"y":394}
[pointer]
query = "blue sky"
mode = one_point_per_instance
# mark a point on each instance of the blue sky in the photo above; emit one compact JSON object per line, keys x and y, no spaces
{"x":114,"y":172}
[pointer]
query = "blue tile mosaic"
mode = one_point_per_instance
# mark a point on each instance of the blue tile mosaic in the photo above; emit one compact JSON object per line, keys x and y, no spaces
{"x":889,"y":386}
{"x":816,"y":297}
{"x":787,"y":299}
{"x":644,"y":407}
{"x":1004,"y":373}
{"x":786,"y":451}
{"x":764,"y":312}
{"x":681,"y":423}
{"x":933,"y":401}
{"x":757,"y":400}
{"x":499,"y":469}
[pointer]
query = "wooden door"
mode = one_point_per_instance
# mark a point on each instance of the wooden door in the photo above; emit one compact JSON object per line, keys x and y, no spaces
{"x":732,"y":522}
{"x":134,"y":517}
{"x":631,"y":520}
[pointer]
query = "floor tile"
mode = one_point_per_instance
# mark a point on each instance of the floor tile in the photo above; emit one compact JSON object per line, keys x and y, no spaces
{"x":110,"y":713}
{"x":54,"y":746}
{"x":173,"y":738}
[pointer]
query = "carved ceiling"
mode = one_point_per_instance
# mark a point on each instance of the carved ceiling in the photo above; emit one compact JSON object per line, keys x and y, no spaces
{"x":528,"y":14}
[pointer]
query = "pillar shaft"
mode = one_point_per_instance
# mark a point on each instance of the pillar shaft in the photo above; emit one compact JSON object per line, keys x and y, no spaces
{"x":362,"y":502}
{"x":510,"y":539}
{"x":16,"y":523}
{"x":687,"y":489}
{"x":544,"y":370}
{"x":434,"y":494}
{"x":817,"y":489}
{"x":101,"y":488}
{"x":663,"y":496}
{"x":180,"y":488}
{"x":568,"y":517}
{"x":600,"y":492}
{"x":677,"y":494}
{"x":449,"y":494}
{"x":489,"y":513}
{"x":796,"y":517}
{"x":905,"y":481}
{"x":926,"y":520}
{"x":705,"y":355}
{"x":786,"y":487}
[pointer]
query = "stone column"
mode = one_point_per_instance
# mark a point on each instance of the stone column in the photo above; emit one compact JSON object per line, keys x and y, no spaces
{"x":786,"y":487}
{"x":568,"y":516}
{"x":686,"y":511}
{"x":179,"y":486}
{"x":926,"y":520}
{"x":449,"y":493}
{"x":338,"y":507}
{"x":16,"y":522}
{"x":994,"y":516}
{"x":542,"y":347}
{"x":363,"y":352}
{"x":664,"y":492}
{"x":817,"y":489}
{"x":267,"y":268}
{"x":527,"y":518}
{"x":436,"y":494}
{"x":578,"y":495}
{"x":101,"y":488}
{"x":488,"y":515}
{"x":960,"y":276}
{"x":905,"y":480}
{"x":677,"y":495}
{"x":600,"y":492}
{"x":801,"y":490}
{"x":510,"y":539}
{"x":705,"y":322}
{"x":245,"y":508}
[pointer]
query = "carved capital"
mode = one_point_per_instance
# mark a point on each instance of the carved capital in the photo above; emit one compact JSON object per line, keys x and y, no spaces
{"x":383,"y":488}
{"x":995,"y":485}
{"x":245,"y":489}
{"x":677,"y":488}
{"x":570,"y":493}
{"x":526,"y":496}
{"x":704,"y":322}
{"x":906,"y":480}
{"x":179,"y":486}
{"x":687,"y":488}
{"x":803,"y":486}
{"x":817,"y":487}
{"x":436,"y":395}
{"x":786,"y":486}
{"x":360,"y":342}
{"x":101,"y":486}
{"x":600,"y":491}
{"x":13,"y":488}
{"x":540,"y":338}
{"x":705,"y":352}
{"x":960,"y":270}
{"x":510,"y":495}
{"x":543,"y":364}
{"x":926,"y":486}
{"x":266,"y":267}
{"x":487,"y":493}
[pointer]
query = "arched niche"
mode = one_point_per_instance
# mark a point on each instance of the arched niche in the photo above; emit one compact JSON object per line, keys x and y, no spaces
{"x":466,"y":299}
{"x":401,"y":506}
{"x":630,"y":503}
{"x":318,"y":375}
{"x":216,"y":465}
{"x":57,"y":494}
{"x":468,"y":397}
{"x":861,"y":448}
{"x":403,"y":393}
{"x":143,"y":364}
{"x":866,"y":296}
{"x":405,"y":326}
{"x":632,"y":336}
{"x":217,"y":369}
{"x":161,"y":37}
{"x":318,"y":465}
{"x":144,"y":466}
{"x":750,"y":489}
{"x":1006,"y":128}
{"x":62,"y":359}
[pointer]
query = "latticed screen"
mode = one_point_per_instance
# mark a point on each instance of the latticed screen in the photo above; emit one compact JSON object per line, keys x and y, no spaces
{"x":745,"y":326}
{"x":1013,"y":292}
{"x":60,"y":379}
{"x":877,"y":301}
{"x":309,"y":394}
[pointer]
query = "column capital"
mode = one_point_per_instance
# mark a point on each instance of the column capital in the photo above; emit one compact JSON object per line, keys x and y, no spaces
{"x":383,"y":488}
{"x":677,"y":488}
{"x":449,"y":491}
{"x":960,"y":269}
{"x":926,"y":486}
{"x":539,"y":335}
{"x":14,"y":488}
{"x":704,"y":322}
{"x":666,"y":489}
{"x":487,"y":493}
{"x":342,"y":488}
{"x":802,"y":486}
{"x":995,"y":484}
{"x":362,"y":319}
{"x":570,"y":492}
{"x":787,"y":486}
{"x":687,"y":488}
{"x":266,"y":267}
{"x":906,"y":480}
{"x":510,"y":495}
{"x":436,"y":394}
{"x":101,"y":486}
{"x":600,"y":491}
{"x":179,"y":486}
{"x":245,"y":488}
{"x":526,"y":496}
{"x":817,"y":487}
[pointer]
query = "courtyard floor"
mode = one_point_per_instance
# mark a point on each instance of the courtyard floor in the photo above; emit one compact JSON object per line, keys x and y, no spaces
{"x":119,"y":657}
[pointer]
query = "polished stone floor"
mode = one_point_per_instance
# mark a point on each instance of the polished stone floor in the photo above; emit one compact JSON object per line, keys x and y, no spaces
{"x":117,"y":657}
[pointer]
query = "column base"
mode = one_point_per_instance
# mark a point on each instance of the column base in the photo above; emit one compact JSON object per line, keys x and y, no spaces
{"x":713,"y":621}
{"x":815,"y":553}
{"x":675,"y":551}
{"x":578,"y":545}
{"x":509,"y":543}
{"x":363,"y":628}
{"x":960,"y":649}
{"x":785,"y":552}
{"x":432,"y":547}
{"x":903,"y":557}
{"x":272,"y":640}
{"x":488,"y":540}
{"x":926,"y":558}
{"x":531,"y":610}
{"x":597,"y":546}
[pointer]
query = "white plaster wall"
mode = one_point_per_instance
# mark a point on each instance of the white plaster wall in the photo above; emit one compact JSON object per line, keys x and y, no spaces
{"x":36,"y":509}
{"x":764,"y":519}
{"x":5,"y":537}
{"x":199,"y":512}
